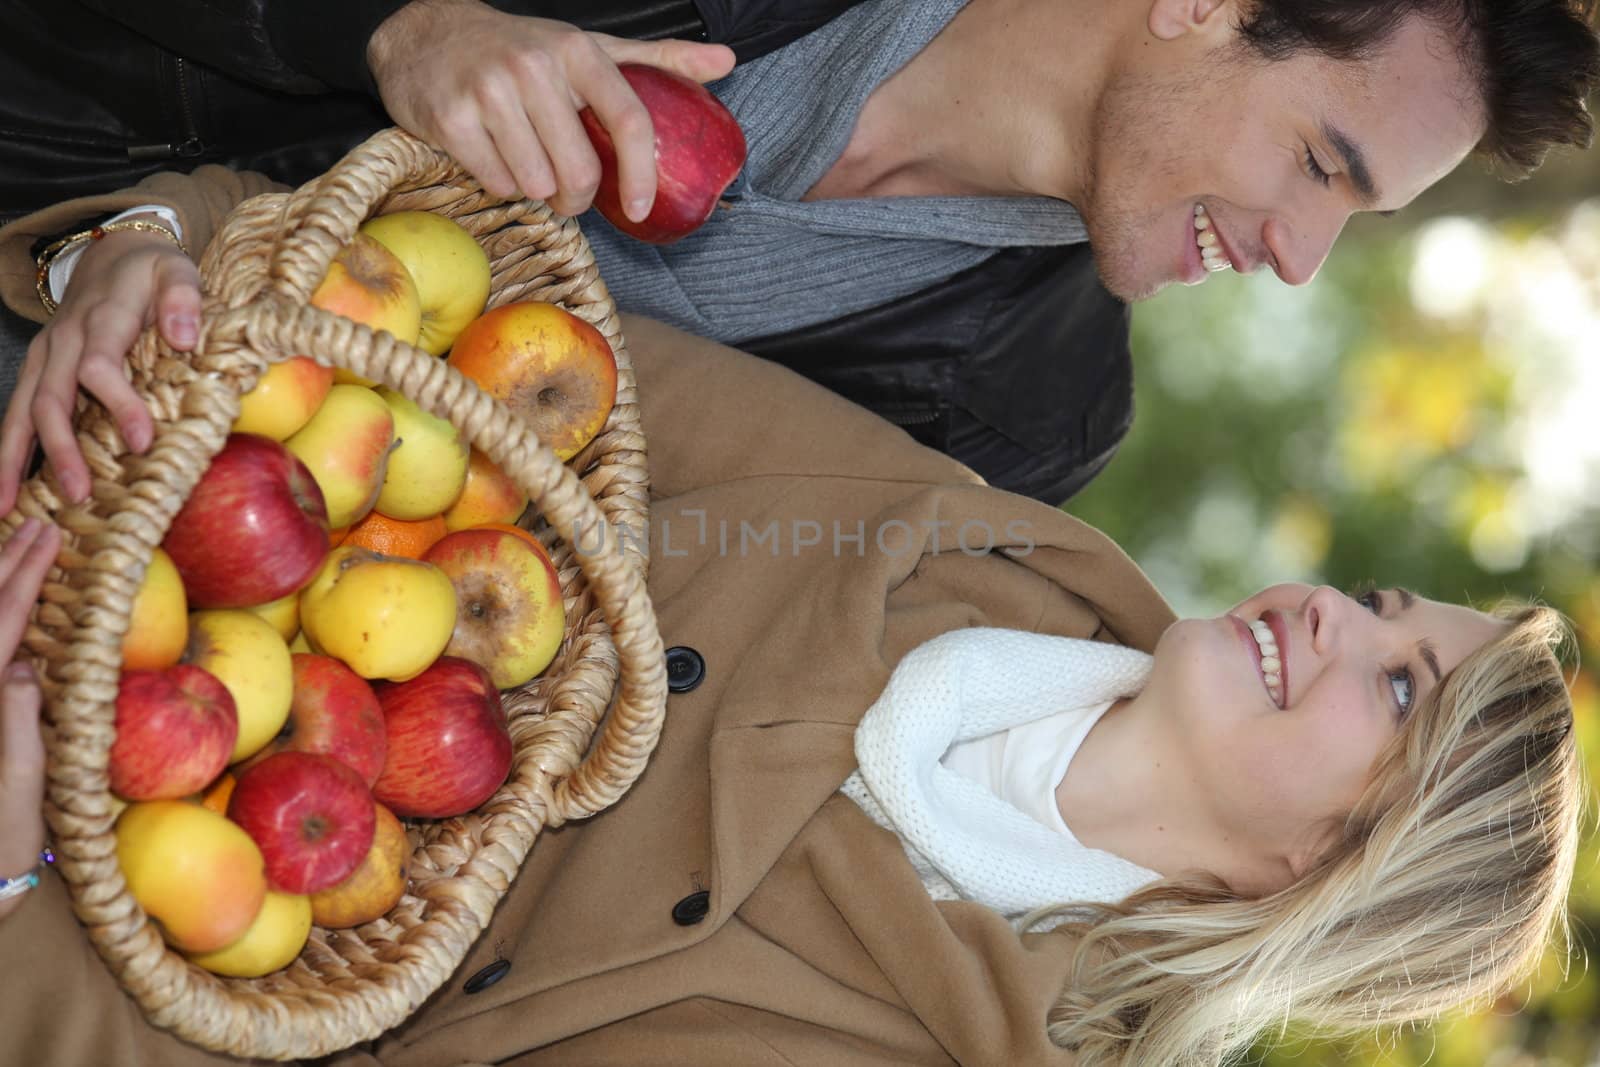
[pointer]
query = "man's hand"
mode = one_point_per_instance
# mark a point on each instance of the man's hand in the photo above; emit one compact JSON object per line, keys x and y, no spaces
{"x":24,"y":560}
{"x":124,"y":282}
{"x":501,"y":93}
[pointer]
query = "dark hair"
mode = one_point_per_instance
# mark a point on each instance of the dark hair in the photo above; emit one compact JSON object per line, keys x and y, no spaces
{"x":1535,"y":60}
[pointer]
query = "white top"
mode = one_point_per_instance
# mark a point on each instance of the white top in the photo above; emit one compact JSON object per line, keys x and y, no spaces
{"x":1024,"y":765}
{"x":965,"y":841}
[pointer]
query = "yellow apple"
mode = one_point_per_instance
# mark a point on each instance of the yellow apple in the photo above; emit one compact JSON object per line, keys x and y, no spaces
{"x":448,"y":265}
{"x":284,"y":398}
{"x":384,"y":616}
{"x":509,"y":614}
{"x":488,"y":496}
{"x":197,"y":874}
{"x":249,"y":657}
{"x":346,"y":446}
{"x":283,"y":614}
{"x":372,"y":888}
{"x":270,"y":943}
{"x":159,"y":625}
{"x":428,"y":466}
{"x":368,"y":283}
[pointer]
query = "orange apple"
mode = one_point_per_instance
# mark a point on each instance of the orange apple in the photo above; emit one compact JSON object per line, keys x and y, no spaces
{"x":196,"y":873}
{"x":159,"y":625}
{"x":373,"y":887}
{"x":346,"y":447}
{"x":216,"y":797}
{"x":488,"y":496}
{"x":547,"y":365}
{"x":284,"y":398}
{"x":509,"y":615}
{"x":368,"y":283}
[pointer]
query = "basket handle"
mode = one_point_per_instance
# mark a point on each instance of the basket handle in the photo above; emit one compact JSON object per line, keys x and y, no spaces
{"x":277,"y":329}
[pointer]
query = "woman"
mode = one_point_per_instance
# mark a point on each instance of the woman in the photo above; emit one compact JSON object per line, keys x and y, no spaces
{"x":1367,"y":844}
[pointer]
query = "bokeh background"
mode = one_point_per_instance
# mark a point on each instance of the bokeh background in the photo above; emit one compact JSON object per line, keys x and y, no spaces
{"x":1426,"y":414}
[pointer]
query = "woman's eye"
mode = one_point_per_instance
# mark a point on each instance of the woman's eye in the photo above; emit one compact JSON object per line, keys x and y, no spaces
{"x":1372,"y":600}
{"x":1404,"y":689}
{"x":1315,"y":169}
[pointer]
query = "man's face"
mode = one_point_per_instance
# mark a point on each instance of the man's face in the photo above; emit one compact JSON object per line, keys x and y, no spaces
{"x":1275,"y":155}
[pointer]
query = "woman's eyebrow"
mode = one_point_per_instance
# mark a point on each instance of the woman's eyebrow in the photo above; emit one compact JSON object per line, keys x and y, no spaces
{"x":1425,"y":648}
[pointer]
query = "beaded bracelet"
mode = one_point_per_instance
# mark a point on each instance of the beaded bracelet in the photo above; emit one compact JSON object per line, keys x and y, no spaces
{"x":15,"y":887}
{"x":54,"y":250}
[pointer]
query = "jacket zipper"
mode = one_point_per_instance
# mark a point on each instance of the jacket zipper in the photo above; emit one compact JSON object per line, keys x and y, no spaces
{"x":191,"y":146}
{"x":917,"y":418}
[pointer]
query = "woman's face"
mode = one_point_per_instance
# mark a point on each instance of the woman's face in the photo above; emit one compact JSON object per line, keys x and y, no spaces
{"x":1286,"y":743}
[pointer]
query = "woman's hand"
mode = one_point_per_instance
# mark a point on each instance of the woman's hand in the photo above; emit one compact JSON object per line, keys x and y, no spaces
{"x":23,"y":563}
{"x":123,"y":282}
{"x":501,"y":93}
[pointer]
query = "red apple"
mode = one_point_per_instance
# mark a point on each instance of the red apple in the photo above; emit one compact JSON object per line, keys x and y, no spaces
{"x":334,"y":713}
{"x":175,"y":732}
{"x":311,"y":816}
{"x":699,"y":150}
{"x":255,"y":529}
{"x":449,"y":747}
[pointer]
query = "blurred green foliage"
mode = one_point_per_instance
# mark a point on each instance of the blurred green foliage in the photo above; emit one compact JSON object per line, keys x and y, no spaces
{"x":1427,"y":414}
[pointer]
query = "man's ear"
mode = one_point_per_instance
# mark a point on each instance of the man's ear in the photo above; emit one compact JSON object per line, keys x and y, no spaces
{"x":1171,"y":19}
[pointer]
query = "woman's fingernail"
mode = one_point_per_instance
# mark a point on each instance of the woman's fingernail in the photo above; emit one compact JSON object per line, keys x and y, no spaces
{"x":638,"y":209}
{"x":19,"y":672}
{"x":183,"y":329}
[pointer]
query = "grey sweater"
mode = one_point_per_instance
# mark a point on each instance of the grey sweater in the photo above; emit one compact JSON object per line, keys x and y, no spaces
{"x":770,"y":263}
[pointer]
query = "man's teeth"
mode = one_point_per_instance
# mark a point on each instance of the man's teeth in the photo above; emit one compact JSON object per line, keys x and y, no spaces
{"x":1212,"y":257}
{"x":1271,"y":665}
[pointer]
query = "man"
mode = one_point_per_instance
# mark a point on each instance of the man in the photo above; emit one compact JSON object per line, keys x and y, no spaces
{"x":1186,"y":135}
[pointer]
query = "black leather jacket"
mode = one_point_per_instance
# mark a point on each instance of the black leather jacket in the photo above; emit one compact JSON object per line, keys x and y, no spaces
{"x":1018,"y":367}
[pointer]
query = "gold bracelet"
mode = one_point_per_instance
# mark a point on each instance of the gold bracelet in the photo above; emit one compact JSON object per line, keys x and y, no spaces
{"x":53,"y":251}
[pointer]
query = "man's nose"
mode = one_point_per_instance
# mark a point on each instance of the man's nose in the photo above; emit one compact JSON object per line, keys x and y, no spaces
{"x":1297,"y":248}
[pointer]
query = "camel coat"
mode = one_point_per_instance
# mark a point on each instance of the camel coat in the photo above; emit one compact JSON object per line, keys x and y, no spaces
{"x":732,"y":908}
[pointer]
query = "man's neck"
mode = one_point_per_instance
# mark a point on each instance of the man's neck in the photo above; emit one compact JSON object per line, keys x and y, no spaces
{"x":1000,"y":103}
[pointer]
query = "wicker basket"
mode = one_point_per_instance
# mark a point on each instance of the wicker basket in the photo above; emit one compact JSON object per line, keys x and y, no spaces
{"x":350,"y":985}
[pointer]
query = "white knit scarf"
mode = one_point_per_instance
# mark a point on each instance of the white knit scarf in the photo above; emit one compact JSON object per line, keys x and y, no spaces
{"x":967,"y":843}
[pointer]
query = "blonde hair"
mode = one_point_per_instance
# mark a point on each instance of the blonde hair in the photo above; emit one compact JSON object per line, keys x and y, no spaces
{"x":1449,"y":878}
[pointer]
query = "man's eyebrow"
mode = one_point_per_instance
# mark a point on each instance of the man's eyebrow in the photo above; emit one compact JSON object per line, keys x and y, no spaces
{"x":1429,"y":654}
{"x":1355,"y":164}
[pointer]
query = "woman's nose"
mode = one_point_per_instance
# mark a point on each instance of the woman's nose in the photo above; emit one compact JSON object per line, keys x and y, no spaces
{"x":1324,"y":611}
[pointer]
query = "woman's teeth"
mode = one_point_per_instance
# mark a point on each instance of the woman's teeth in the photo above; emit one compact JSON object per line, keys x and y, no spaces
{"x":1271,"y":665}
{"x":1212,"y":257}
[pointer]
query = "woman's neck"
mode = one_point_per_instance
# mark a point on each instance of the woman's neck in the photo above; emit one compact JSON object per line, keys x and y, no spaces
{"x":995,"y":105}
{"x":1129,"y":791}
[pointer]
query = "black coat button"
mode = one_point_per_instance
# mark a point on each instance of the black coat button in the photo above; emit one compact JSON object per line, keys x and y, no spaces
{"x":686,"y":668}
{"x":487,"y":977}
{"x":692,"y":908}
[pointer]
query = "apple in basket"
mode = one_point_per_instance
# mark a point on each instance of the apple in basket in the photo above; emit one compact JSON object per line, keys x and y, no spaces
{"x":270,"y":943}
{"x":310,"y":815}
{"x":552,"y":369}
{"x":699,"y":150}
{"x":383,"y":616}
{"x":509,"y":615}
{"x":448,"y":265}
{"x":334,"y":713}
{"x":368,"y":284}
{"x":195,"y":872}
{"x":449,"y":748}
{"x":254,"y":529}
{"x":489,"y":496}
{"x":249,"y":657}
{"x":372,"y":888}
{"x":175,"y":732}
